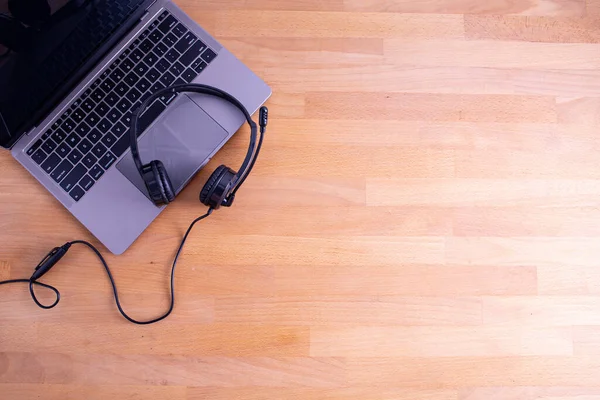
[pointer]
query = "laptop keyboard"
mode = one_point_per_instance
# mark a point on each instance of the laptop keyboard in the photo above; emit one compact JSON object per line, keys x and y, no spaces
{"x":92,"y":133}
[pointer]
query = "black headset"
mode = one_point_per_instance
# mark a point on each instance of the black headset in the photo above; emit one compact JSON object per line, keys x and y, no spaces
{"x":218,"y":191}
{"x":224,"y":182}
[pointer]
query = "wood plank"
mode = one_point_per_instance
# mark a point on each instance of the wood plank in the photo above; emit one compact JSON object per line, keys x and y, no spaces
{"x":533,"y":29}
{"x":557,"y":8}
{"x":354,"y":393}
{"x":285,"y":24}
{"x":440,"y":341}
{"x":26,"y":391}
{"x":168,"y":340}
{"x":530,"y":393}
{"x":90,"y":369}
{"x":338,"y":282}
{"x":359,"y":309}
{"x":492,"y":54}
{"x":482,"y":192}
{"x":443,"y":107}
{"x":542,"y":310}
{"x":468,"y":372}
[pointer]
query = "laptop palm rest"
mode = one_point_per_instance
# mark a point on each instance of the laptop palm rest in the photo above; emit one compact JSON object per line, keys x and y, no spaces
{"x":182,"y":138}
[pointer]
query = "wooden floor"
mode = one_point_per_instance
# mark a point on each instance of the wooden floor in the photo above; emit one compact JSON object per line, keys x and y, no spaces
{"x":423,"y":223}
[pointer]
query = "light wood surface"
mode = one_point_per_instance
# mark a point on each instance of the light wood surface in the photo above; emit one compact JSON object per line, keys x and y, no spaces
{"x":423,"y":222}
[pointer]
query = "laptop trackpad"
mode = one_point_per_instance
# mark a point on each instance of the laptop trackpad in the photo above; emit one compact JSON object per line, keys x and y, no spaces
{"x":182,"y":138}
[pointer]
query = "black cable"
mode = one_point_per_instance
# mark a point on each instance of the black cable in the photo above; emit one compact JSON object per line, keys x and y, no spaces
{"x":33,"y":282}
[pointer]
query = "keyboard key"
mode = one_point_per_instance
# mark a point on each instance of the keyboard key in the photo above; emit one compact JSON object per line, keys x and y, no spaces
{"x":84,"y":146}
{"x":176,"y":69}
{"x":96,"y":172}
{"x":63,"y":149}
{"x":59,"y":135}
{"x":86,"y":182}
{"x":119,"y":129}
{"x":49,"y":145}
{"x":172,"y":55}
{"x":97,"y":95}
{"x":73,"y":177}
{"x":131,"y":78}
{"x":192,"y":53}
{"x":156,"y":35}
{"x":137,"y":55}
{"x":102,"y":109}
{"x":66,"y":114}
{"x":121,"y":89}
{"x":73,"y":139}
{"x":167,"y":79}
{"x":92,"y":119}
{"x":74,"y":156}
{"x":189,"y":75}
{"x":179,"y":30}
{"x":104,"y":125}
{"x":126,"y":120}
{"x":146,"y":45}
{"x":170,"y":39}
{"x":162,"y":65}
{"x":117,"y":75}
{"x":56,"y":124}
{"x":50,"y":163}
{"x":208,"y":55}
{"x":62,"y":170}
{"x":114,"y":115}
{"x":124,"y":105}
{"x":94,"y":135}
{"x":133,"y":95}
{"x":77,"y":193}
{"x":35,"y":146}
{"x":89,"y":160}
{"x":153,"y":74}
{"x":157,"y":86}
{"x":109,"y":139}
{"x":88,"y":105}
{"x":150,"y":115}
{"x":68,"y":125}
{"x":78,"y":115}
{"x":185,"y":42}
{"x":82,"y":129}
{"x":126,"y":65}
{"x":160,"y":49}
{"x":108,"y":160}
{"x":111,"y":98}
{"x":107,"y":85}
{"x":179,"y":81}
{"x":39,"y":156}
{"x":47,"y":134}
{"x":167,"y":24}
{"x":150,"y":59}
{"x":143,"y":85}
{"x":141,"y":69}
{"x":99,"y":150}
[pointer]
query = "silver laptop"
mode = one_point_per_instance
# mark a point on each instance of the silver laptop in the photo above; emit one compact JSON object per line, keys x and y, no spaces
{"x":71,"y":72}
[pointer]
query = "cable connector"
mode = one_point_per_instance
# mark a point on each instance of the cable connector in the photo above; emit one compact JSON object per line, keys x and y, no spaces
{"x":49,"y":261}
{"x":263,"y":118}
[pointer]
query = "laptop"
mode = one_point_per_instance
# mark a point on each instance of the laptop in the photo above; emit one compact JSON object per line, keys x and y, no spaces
{"x":72,"y":72}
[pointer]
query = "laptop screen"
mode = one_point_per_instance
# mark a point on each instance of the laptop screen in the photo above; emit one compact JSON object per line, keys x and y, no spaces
{"x":45,"y":48}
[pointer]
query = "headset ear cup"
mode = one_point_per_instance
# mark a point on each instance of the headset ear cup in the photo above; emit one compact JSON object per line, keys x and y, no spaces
{"x":217,"y":187}
{"x":158,"y":183}
{"x":167,"y":186}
